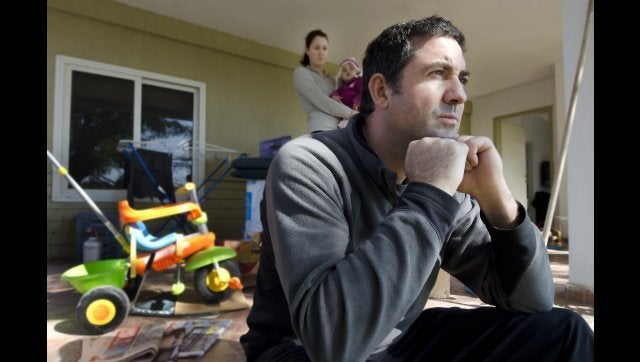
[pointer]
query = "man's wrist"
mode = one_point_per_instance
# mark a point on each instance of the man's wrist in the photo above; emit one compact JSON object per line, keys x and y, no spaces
{"x":507,"y":221}
{"x":502,"y":212}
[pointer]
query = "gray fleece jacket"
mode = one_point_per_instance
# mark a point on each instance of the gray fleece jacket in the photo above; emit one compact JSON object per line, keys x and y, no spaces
{"x":348,"y":257}
{"x":323,"y":112}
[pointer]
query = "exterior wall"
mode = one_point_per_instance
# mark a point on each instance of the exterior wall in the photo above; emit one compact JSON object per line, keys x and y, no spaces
{"x":580,"y":156}
{"x":249,"y":97}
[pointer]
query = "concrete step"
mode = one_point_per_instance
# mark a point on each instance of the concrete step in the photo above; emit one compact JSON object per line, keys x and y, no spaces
{"x":559,"y":256}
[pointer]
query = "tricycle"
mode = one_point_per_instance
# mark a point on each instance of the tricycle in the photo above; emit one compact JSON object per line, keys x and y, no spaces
{"x":111,"y":287}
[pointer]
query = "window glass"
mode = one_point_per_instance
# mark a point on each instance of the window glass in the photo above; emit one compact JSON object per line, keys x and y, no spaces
{"x":101,"y":115}
{"x":98,"y":105}
{"x":167,"y":119}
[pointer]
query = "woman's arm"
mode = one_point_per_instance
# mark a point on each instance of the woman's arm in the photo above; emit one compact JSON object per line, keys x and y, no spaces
{"x":315,"y":97}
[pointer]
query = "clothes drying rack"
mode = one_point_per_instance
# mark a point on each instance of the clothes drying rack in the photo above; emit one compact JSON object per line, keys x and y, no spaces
{"x":194,"y":150}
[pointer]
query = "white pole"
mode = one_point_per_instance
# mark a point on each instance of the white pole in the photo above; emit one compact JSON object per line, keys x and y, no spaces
{"x":555,"y":189}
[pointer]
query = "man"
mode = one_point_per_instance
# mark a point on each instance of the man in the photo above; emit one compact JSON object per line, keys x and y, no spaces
{"x":357,"y":223}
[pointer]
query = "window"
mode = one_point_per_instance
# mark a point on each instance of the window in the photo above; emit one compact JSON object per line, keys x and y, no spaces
{"x":97,"y":105}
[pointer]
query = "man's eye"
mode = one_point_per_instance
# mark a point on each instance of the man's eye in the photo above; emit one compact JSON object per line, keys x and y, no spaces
{"x":464,"y":80}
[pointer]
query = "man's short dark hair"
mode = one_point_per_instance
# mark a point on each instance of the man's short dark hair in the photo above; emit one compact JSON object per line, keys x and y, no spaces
{"x":392,"y":50}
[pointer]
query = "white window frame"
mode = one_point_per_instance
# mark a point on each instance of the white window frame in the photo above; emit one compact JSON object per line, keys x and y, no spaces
{"x":65,"y":65}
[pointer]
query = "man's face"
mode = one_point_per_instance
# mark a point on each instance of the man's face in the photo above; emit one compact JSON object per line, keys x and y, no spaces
{"x":432,"y":95}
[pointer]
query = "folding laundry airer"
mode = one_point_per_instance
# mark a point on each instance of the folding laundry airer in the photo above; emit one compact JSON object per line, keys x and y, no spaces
{"x":221,"y":158}
{"x":109,"y":291}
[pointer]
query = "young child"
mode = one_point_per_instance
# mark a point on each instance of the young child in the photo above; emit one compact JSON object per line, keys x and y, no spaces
{"x":349,"y":85}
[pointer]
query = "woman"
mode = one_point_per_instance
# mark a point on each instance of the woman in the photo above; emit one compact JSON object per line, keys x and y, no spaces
{"x":314,"y":85}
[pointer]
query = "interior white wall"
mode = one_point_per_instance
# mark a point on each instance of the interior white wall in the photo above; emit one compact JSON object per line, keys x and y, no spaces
{"x":523,"y":98}
{"x":537,"y":131}
{"x":560,"y":116}
{"x":538,"y":135}
{"x":537,"y":138}
{"x":580,"y":155}
{"x":513,"y":141}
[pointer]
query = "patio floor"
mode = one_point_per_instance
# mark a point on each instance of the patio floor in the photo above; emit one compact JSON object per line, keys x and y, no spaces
{"x":64,"y":339}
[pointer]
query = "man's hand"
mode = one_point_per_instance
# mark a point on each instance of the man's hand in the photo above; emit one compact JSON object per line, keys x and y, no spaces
{"x":483,"y":167}
{"x":484,"y":180}
{"x":439,"y":162}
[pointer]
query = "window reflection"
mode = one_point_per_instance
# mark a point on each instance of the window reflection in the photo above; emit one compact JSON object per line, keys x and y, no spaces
{"x":167,"y":119}
{"x":101,"y":115}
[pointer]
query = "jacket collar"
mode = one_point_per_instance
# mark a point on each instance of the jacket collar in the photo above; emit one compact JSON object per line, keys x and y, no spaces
{"x":382,"y":176}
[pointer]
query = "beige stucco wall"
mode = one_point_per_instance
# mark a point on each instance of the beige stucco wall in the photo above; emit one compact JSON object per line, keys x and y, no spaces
{"x":249,"y":91}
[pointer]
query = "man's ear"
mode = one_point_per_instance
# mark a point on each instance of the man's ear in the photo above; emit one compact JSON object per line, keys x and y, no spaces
{"x":379,"y":90}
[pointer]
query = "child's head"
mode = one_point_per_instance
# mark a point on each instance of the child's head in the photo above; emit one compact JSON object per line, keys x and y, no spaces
{"x":347,"y":70}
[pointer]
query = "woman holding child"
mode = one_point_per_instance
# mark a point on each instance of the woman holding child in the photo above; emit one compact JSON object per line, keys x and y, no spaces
{"x":314,"y":86}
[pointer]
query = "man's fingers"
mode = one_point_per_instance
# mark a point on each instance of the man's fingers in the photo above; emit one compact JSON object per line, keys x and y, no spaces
{"x":476,"y":145}
{"x":467,"y":166}
{"x":472,"y":155}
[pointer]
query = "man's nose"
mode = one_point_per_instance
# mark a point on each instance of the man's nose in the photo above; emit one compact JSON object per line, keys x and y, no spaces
{"x":455,"y":92}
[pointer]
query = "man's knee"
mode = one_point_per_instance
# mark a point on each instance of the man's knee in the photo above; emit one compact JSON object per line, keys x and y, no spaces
{"x":568,"y":317}
{"x":565,"y":322}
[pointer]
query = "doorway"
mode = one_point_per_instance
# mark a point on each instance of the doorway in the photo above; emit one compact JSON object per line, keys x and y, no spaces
{"x":525,"y":142}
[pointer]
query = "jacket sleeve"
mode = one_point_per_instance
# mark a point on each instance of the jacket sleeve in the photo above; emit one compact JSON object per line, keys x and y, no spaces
{"x":506,"y":268}
{"x":312,"y":93}
{"x":343,"y":304}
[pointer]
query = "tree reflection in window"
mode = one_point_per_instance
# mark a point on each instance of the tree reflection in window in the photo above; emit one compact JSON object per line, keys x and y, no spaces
{"x":102,"y":114}
{"x":167,"y":119}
